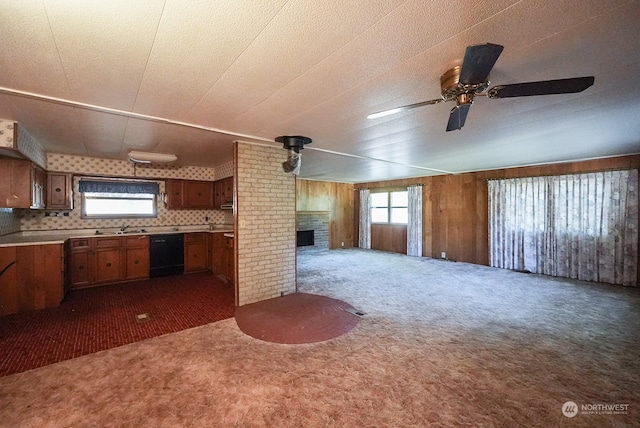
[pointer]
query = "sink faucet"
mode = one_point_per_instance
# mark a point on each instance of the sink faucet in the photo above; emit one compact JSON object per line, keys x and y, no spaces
{"x":123,"y":227}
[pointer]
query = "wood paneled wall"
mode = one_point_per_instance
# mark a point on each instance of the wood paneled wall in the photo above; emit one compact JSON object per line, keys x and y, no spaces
{"x":456,"y":207}
{"x":338,"y":199}
{"x":389,"y":237}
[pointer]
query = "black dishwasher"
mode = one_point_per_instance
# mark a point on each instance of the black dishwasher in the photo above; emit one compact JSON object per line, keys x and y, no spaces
{"x":166,"y":255}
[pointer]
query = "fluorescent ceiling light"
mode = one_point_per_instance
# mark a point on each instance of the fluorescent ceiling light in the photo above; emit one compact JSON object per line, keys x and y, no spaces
{"x":148,"y":157}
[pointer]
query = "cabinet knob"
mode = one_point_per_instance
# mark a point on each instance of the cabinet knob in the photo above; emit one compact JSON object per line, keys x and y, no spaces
{"x":109,"y":264}
{"x":58,"y":189}
{"x":80,"y":267}
{"x":136,"y":262}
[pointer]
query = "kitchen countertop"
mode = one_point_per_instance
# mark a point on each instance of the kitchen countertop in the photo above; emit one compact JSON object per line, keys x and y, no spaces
{"x":60,"y":236}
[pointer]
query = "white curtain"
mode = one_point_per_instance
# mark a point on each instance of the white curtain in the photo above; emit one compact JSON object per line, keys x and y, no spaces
{"x":582,"y":226}
{"x":414,"y":223}
{"x":364,"y":238}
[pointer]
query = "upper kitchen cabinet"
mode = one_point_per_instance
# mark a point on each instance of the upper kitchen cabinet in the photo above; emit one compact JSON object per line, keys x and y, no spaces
{"x":59,"y":191}
{"x":198,"y":194}
{"x":223,"y":191}
{"x":189,"y":194}
{"x":174,"y":190}
{"x":22,"y":184}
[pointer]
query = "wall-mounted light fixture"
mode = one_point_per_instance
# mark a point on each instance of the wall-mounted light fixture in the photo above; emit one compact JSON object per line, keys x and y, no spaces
{"x":150,"y":157}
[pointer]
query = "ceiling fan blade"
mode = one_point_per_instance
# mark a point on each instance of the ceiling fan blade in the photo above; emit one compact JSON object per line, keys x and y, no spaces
{"x":457,"y":117}
{"x":478,"y":62}
{"x":544,"y":87}
{"x":403,"y":108}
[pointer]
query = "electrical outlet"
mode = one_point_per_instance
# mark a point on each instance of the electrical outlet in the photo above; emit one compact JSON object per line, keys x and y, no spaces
{"x":443,"y":255}
{"x":342,"y":244}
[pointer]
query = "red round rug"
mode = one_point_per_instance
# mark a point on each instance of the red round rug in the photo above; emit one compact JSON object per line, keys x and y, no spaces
{"x":297,"y":318}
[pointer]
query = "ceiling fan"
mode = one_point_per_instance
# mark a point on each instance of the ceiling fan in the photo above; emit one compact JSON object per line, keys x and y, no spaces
{"x":463,"y":83}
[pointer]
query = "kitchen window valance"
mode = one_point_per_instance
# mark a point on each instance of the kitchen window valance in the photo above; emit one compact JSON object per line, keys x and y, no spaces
{"x":100,"y":186}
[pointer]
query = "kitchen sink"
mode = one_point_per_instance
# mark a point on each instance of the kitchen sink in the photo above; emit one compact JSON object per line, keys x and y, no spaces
{"x":120,"y":232}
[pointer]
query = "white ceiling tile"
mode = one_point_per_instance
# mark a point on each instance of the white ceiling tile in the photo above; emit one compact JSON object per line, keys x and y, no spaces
{"x":197,"y":42}
{"x":104,"y":47}
{"x":29,"y":59}
{"x":298,"y":38}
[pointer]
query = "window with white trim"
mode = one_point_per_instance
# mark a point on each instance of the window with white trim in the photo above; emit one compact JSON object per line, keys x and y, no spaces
{"x":390,"y":207}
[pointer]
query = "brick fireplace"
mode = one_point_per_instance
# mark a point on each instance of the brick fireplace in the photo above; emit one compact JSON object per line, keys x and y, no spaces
{"x":316,"y":221}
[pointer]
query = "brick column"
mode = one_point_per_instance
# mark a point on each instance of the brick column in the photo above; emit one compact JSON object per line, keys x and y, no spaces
{"x":266,"y":224}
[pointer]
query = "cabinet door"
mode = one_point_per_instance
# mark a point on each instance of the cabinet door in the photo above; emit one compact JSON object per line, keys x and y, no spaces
{"x":228,"y":190}
{"x":15,"y":183}
{"x":218,"y":249}
{"x":137,"y":263}
{"x":195,"y":252}
{"x":198,"y":194}
{"x":174,"y":190}
{"x":80,"y":268}
{"x":59,"y":191}
{"x":218,"y":190}
{"x":230,"y":260}
{"x":108,"y":265}
{"x":136,"y":256}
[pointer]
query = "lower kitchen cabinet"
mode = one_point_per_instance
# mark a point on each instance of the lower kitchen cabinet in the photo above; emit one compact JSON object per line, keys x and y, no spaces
{"x":79,"y":266}
{"x":103,"y":260}
{"x":108,"y":266}
{"x":218,"y":254}
{"x":222,"y":256}
{"x":136,"y":257}
{"x":195,"y":252}
{"x":231,"y":271}
{"x":107,"y":257}
{"x":31,"y":277}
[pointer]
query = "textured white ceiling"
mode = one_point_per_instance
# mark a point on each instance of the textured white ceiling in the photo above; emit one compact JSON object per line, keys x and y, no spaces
{"x":102,"y":78}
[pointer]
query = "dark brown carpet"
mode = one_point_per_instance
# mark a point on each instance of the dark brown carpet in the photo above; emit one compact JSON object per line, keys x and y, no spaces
{"x":100,"y":318}
{"x":296,"y":318}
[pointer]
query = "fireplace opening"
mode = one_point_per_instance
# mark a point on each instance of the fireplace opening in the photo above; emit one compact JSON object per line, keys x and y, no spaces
{"x":305,"y":238}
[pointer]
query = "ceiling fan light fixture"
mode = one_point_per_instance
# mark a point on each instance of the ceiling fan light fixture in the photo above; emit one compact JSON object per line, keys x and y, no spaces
{"x":151,"y":158}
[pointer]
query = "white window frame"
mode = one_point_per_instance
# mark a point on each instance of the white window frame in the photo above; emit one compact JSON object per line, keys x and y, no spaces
{"x":389,"y":207}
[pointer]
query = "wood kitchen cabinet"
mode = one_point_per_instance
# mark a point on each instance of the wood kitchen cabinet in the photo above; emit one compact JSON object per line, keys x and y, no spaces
{"x":174,"y":190}
{"x":79,"y":265}
{"x":59,"y":191}
{"x":136,"y":257}
{"x":223,"y":192}
{"x":31,"y":277}
{"x":195,"y":252}
{"x":230,"y":259}
{"x":22,"y":184}
{"x":189,"y":194}
{"x":109,"y":259}
{"x":218,"y":254}
{"x":198,"y":194}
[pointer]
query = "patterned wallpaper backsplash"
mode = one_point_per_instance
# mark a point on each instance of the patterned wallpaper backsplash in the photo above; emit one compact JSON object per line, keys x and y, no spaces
{"x":9,"y":221}
{"x":35,"y":220}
